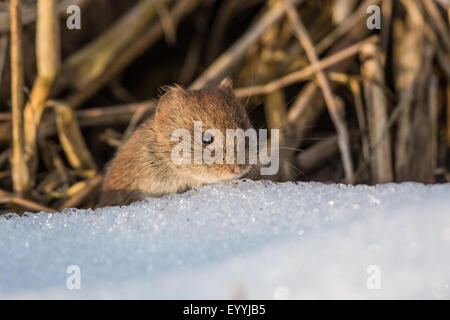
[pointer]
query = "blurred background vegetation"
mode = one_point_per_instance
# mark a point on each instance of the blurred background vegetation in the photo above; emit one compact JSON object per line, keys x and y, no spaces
{"x":353,"y":105}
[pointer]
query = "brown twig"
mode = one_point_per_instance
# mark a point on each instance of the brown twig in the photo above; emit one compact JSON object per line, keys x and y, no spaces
{"x":6,"y":116}
{"x":359,"y":106}
{"x":346,"y":25}
{"x":48,"y":63}
{"x":3,"y":54}
{"x":408,"y":44}
{"x":313,"y":157}
{"x":226,"y":11}
{"x":223,"y":65}
{"x":343,"y":137}
{"x":448,"y":114}
{"x":4,"y":156}
{"x":423,"y":133}
{"x":102,"y":116}
{"x":20,"y":174}
{"x":72,"y":140}
{"x":433,"y":124}
{"x":306,"y":72}
{"x":414,"y":11}
{"x":376,"y":102}
{"x":438,"y":22}
{"x":386,"y":11}
{"x":301,"y":116}
{"x":134,"y":50}
{"x":90,"y":62}
{"x":394,"y":116}
{"x":84,"y":190}
{"x":10,"y":198}
{"x":195,"y":51}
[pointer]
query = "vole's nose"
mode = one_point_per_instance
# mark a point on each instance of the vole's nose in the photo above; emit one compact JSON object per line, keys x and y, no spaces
{"x":235,"y":169}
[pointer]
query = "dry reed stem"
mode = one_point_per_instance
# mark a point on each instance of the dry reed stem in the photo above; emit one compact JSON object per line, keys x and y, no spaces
{"x":343,"y":136}
{"x":345,"y":26}
{"x":309,"y":103}
{"x":13,"y":199}
{"x":5,"y":116}
{"x":167,"y":23}
{"x":301,"y":116}
{"x":372,"y":70}
{"x":396,"y":114}
{"x":433,"y":113}
{"x":218,"y":29}
{"x":341,"y":10}
{"x":393,"y":117}
{"x":417,"y":105}
{"x":359,"y":106}
{"x":72,"y":140}
{"x":386,"y":13}
{"x":20,"y":174}
{"x":48,"y":64}
{"x":275,"y":102}
{"x":423,"y":155}
{"x":3,"y":54}
{"x":100,"y":116}
{"x":438,"y":22}
{"x":4,"y":156}
{"x":314,"y":156}
{"x":306,"y":72}
{"x":134,"y":50}
{"x":195,"y":51}
{"x":275,"y":115}
{"x":91,"y":61}
{"x":85,"y":190}
{"x":408,"y":44}
{"x":416,"y":14}
{"x":223,"y":65}
{"x":448,"y":114}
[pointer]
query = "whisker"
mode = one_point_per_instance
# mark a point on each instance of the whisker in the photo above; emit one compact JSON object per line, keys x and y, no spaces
{"x":300,"y":129}
{"x":294,"y":167}
{"x":291,"y":148}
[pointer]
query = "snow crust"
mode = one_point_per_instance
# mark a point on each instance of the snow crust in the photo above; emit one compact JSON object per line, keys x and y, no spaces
{"x":245,"y":239}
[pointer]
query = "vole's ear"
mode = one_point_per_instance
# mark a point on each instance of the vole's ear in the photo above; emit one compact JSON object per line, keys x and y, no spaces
{"x":172,"y":97}
{"x":227,"y":83}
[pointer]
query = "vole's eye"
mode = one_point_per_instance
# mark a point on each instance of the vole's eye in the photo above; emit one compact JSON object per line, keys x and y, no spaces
{"x":208,"y":138}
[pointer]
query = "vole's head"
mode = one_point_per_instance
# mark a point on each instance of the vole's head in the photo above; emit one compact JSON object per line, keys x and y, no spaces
{"x":196,"y":122}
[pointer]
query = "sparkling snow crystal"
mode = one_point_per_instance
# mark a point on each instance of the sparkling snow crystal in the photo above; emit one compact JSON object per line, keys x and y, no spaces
{"x":239,"y":240}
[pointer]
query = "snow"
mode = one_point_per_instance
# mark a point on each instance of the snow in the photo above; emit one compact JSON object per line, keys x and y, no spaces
{"x":245,"y":239}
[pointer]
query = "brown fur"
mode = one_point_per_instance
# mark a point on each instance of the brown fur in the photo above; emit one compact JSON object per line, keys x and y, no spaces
{"x":143,"y":167}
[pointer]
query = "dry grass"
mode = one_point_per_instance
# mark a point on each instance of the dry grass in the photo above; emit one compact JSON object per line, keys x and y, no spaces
{"x":69,"y":98}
